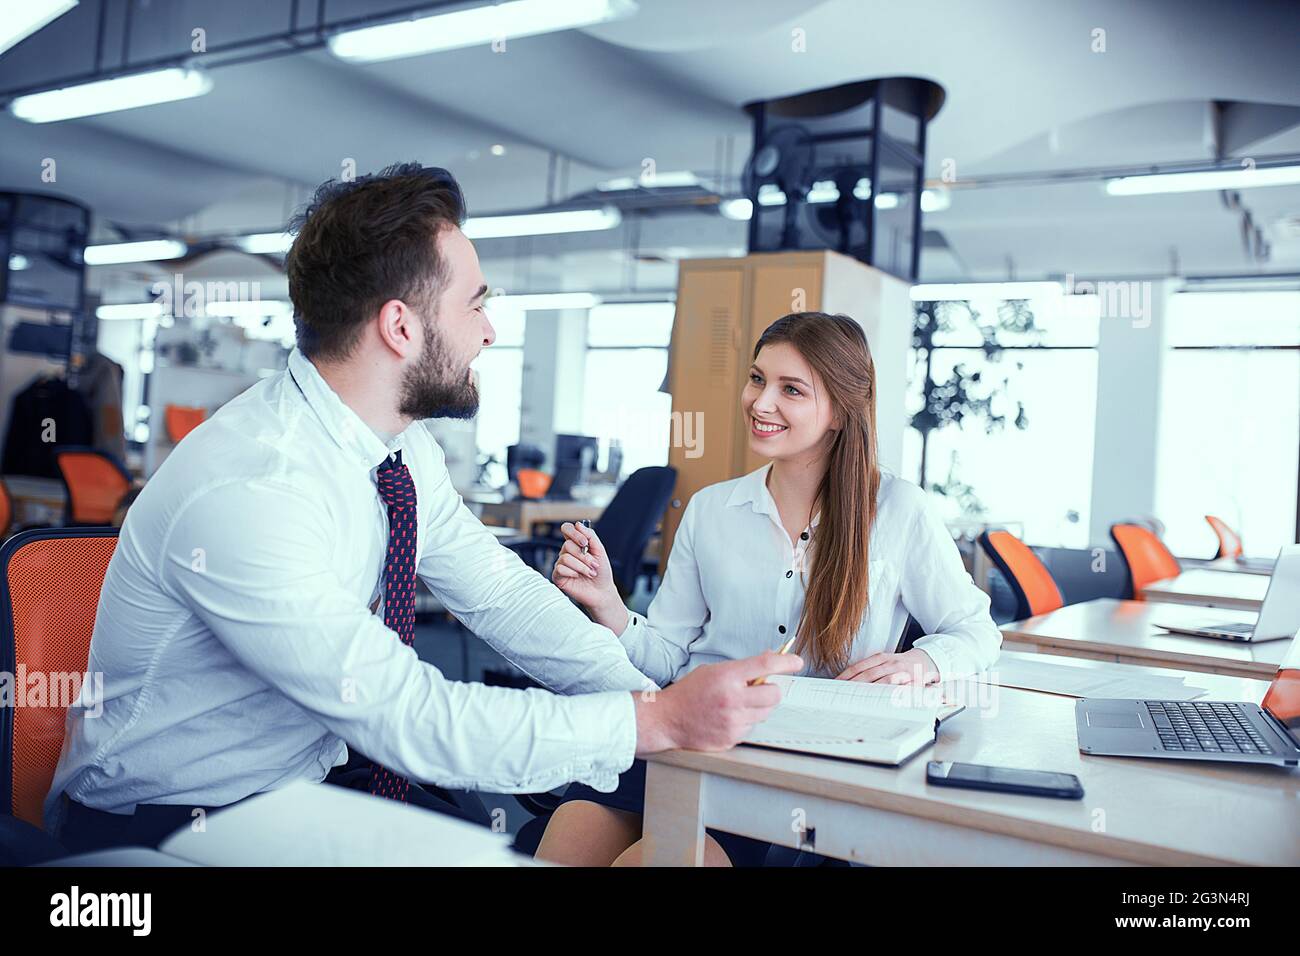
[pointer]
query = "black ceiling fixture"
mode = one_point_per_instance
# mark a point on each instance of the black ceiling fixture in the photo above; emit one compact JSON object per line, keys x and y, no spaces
{"x":843,"y":168}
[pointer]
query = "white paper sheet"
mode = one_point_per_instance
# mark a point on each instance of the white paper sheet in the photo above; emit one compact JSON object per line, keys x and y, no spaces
{"x":1102,"y":679}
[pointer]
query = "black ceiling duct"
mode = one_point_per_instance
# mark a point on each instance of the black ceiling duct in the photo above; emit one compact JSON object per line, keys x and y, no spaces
{"x":843,"y":168}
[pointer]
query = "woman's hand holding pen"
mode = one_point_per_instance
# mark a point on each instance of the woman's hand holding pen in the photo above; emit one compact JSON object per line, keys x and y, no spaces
{"x":582,"y":572}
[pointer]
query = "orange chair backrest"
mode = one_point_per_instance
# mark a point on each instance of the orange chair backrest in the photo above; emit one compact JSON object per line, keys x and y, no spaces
{"x":182,"y":419}
{"x":532,"y":483}
{"x":51,"y":584}
{"x":1147,"y":557}
{"x":1229,"y":540}
{"x":1037,"y":590}
{"x":95,"y":486}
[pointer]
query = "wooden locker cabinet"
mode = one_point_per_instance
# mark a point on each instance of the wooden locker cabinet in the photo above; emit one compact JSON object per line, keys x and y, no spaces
{"x":723,"y":306}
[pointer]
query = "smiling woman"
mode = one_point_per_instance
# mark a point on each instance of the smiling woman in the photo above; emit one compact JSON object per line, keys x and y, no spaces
{"x":793,"y":424}
{"x":819,"y":545}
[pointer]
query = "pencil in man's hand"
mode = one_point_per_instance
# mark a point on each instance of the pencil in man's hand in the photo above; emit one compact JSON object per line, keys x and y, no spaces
{"x":785,"y":649}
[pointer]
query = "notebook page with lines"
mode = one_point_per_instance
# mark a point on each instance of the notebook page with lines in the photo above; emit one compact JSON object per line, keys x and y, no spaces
{"x":876,"y":723}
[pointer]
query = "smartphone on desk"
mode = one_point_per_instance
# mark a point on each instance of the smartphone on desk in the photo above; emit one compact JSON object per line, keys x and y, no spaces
{"x":973,"y":776}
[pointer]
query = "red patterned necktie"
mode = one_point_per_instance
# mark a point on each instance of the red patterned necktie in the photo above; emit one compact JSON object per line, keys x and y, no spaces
{"x":398,"y":492}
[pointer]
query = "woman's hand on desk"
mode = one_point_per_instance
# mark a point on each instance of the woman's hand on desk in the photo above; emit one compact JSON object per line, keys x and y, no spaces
{"x":909,"y":667}
{"x":587,"y":577}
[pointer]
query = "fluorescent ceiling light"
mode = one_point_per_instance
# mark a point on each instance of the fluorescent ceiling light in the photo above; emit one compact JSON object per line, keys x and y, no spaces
{"x":109,"y":96}
{"x":265,"y":243}
{"x":769,"y":194}
{"x":23,"y":19}
{"x":669,"y":180}
{"x":542,"y":223}
{"x":481,"y":24}
{"x":1213,"y":179}
{"x":247,"y":308}
{"x":544,"y":300}
{"x":130,"y":310}
{"x":932,"y":200}
{"x":149,"y":250}
{"x":739,"y":209}
{"x":935,"y":200}
{"x":936,"y":292}
{"x":823,"y":191}
{"x":18,"y":262}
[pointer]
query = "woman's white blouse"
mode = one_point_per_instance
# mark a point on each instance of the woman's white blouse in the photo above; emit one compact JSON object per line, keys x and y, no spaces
{"x":734,"y":586}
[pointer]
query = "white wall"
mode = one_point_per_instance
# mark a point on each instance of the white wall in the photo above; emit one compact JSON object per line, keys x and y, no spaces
{"x":555,"y":355}
{"x":1131,"y":352}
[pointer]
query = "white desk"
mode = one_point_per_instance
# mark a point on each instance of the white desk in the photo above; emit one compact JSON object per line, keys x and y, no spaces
{"x":1261,"y":566}
{"x":120,"y":857}
{"x":37,"y":501}
{"x":1127,"y":632}
{"x":1145,"y":812}
{"x":312,"y":824}
{"x":1207,"y":588}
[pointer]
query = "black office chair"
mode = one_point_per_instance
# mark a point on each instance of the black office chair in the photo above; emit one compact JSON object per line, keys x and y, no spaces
{"x":523,"y":456}
{"x":625,"y":527}
{"x":912,"y":632}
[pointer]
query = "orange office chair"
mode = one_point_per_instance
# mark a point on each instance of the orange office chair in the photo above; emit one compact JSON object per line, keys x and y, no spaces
{"x":50,"y":580}
{"x":1032,"y":584}
{"x":1147,"y":557}
{"x":1229,"y":540}
{"x":95,"y":484}
{"x":180,"y":420}
{"x":532,"y":483}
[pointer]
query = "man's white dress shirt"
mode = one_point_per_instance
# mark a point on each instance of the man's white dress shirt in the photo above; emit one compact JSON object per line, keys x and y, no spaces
{"x":734,"y":585}
{"x":239,"y":649}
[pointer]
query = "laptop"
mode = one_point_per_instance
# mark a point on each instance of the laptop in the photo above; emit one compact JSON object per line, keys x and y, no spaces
{"x":1230,"y":731}
{"x":1279,"y":615}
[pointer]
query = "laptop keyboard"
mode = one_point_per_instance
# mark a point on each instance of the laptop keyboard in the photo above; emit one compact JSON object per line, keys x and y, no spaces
{"x":1246,"y":629}
{"x":1205,"y":726}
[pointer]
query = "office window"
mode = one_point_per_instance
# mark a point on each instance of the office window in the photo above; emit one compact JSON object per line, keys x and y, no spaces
{"x":627,"y":359}
{"x":1229,"y":438}
{"x":500,"y":367}
{"x":1002,"y":404}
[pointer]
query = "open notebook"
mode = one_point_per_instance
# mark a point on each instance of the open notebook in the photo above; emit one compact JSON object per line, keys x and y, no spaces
{"x":874,"y":723}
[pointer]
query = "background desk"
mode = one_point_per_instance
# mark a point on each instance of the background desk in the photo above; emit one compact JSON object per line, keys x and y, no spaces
{"x":1125,"y":631}
{"x":1226,"y":589}
{"x":36,"y":500}
{"x":523,"y":513}
{"x":1135,"y":811}
{"x":1232,"y":565}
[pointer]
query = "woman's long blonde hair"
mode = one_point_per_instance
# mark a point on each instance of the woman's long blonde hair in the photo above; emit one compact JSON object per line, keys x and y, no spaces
{"x":837,"y":592}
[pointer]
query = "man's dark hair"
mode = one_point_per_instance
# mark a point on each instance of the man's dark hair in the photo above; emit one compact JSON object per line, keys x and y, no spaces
{"x":363,"y":242}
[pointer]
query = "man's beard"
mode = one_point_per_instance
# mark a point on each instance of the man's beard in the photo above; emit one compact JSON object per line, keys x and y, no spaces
{"x":432,"y":388}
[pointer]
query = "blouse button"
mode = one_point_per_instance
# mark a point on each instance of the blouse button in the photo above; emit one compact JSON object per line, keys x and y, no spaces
{"x":804,"y":536}
{"x":780,"y":628}
{"x":789,"y":574}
